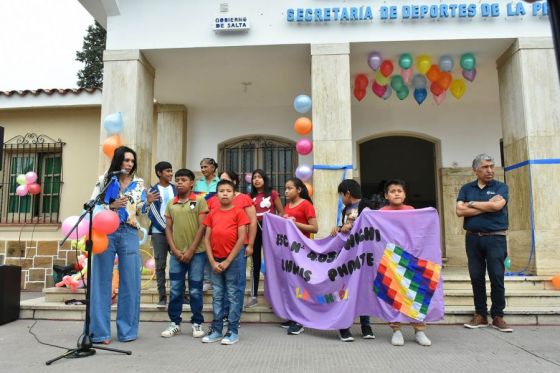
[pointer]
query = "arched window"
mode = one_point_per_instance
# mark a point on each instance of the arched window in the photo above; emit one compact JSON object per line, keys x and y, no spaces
{"x":276,"y":156}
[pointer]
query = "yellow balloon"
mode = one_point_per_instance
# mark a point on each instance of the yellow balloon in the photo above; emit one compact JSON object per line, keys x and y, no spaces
{"x":423,"y":63}
{"x":381,"y":79}
{"x":458,"y":88}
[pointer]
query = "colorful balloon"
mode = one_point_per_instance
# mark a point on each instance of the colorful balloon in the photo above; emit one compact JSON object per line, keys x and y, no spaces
{"x":150,"y":264}
{"x":248,"y":178}
{"x":110,"y":144}
{"x":468,"y":61}
{"x":407,"y":75}
{"x":380,"y":78}
{"x":303,"y":126}
{"x":433,"y":73}
{"x":420,"y":95}
{"x":106,"y":222}
{"x":304,"y":146}
{"x":397,"y":82}
{"x":100,"y":242}
{"x":388,"y":93}
{"x":304,"y":172}
{"x":70,"y":222}
{"x":446,"y":63}
{"x":378,"y":89}
{"x":361,"y":81}
{"x":444,"y":80}
{"x":423,"y":63}
{"x":469,"y":74}
{"x":405,"y":61}
{"x":458,"y":88}
{"x":403,"y":92}
{"x":359,"y":93}
{"x":374,"y":60}
{"x":436,"y":89}
{"x":507,"y":263}
{"x":419,"y":81}
{"x":30,"y":177}
{"x":386,"y":68}
{"x":22,"y":190}
{"x":302,"y":103}
{"x":20,"y":179}
{"x":113,"y":123}
{"x":556,"y":281}
{"x":34,"y":188}
{"x":439,"y":99}
{"x":309,"y":189}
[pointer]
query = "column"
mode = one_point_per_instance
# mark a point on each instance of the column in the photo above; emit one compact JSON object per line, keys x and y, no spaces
{"x":529,"y":97}
{"x":332,"y":127}
{"x":128,"y":87}
{"x":171,"y":140}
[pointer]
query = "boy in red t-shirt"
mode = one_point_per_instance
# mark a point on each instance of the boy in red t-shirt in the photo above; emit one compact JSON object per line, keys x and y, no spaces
{"x":395,"y":193}
{"x":225,"y":234}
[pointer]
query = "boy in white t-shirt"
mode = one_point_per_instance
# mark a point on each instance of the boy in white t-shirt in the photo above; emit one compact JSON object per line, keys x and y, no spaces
{"x":167,"y":191}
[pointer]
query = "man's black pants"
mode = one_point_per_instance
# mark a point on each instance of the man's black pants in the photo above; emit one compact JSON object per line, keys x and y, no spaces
{"x":487,"y":252}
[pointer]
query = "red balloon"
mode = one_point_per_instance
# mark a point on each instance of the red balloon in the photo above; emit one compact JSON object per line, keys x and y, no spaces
{"x":106,"y":222}
{"x":433,"y":73}
{"x":359,"y":93}
{"x":386,"y":67}
{"x":361,"y":81}
{"x":436,"y":89}
{"x":34,"y":188}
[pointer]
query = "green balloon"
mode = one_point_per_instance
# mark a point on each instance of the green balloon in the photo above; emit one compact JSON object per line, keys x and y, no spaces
{"x":405,"y":61}
{"x":397,"y":82}
{"x":507,"y":263}
{"x":21,"y":179}
{"x":468,"y":61}
{"x":402,"y":93}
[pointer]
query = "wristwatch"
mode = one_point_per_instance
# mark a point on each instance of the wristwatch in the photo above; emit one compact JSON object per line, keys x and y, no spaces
{"x":470,"y":204}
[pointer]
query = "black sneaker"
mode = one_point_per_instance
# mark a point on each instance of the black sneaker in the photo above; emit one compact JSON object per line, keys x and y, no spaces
{"x":286,"y":324}
{"x":295,"y":328}
{"x":367,"y":333}
{"x":345,"y":335}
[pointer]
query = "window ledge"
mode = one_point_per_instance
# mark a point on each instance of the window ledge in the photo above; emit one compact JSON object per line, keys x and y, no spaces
{"x":28,"y":227}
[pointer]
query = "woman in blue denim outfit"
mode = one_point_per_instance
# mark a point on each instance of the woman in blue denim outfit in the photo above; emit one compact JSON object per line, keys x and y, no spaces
{"x":132,"y":200}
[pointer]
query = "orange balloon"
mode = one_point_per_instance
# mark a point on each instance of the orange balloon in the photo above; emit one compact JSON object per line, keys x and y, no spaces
{"x":433,"y":73}
{"x":556,"y":281}
{"x":309,"y":189}
{"x":100,"y":242}
{"x":444,"y":80}
{"x":303,"y":126}
{"x":110,"y":144}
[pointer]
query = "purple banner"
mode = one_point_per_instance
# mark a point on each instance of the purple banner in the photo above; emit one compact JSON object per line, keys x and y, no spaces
{"x":388,"y":266}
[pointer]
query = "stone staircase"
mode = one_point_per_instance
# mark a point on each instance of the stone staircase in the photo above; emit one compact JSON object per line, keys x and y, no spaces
{"x":530,"y":300}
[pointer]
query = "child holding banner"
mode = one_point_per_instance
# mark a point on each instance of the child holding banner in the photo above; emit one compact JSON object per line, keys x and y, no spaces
{"x":395,"y":193}
{"x":299,"y":208}
{"x":226,"y":227}
{"x":351,"y":195}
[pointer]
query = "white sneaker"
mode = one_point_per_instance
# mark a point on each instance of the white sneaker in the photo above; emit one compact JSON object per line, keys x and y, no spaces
{"x":197,"y":331}
{"x":171,"y":331}
{"x":397,"y":339}
{"x":206,"y":286}
{"x":251,"y":303}
{"x":422,"y":339}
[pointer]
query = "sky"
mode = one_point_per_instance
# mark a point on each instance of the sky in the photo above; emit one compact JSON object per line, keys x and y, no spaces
{"x":38,"y":43}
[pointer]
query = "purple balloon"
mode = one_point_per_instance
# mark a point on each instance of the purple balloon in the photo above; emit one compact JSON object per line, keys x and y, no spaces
{"x":469,"y":74}
{"x":374,"y":60}
{"x":304,"y":172}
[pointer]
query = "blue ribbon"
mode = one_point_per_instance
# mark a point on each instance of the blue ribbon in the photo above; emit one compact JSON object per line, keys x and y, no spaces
{"x":335,"y":168}
{"x":530,"y":162}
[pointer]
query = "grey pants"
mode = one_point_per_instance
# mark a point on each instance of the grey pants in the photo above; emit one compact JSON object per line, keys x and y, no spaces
{"x":161,"y":248}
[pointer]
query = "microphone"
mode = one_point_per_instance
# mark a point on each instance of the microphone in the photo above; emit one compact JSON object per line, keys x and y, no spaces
{"x":119,"y":172}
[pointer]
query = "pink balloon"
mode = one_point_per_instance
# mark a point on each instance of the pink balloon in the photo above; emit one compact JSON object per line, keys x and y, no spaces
{"x":439,"y":99}
{"x":34,"y":188}
{"x":378,"y":89}
{"x":70,"y":222}
{"x":248,"y":177}
{"x":22,"y":190}
{"x":30,"y":177}
{"x":106,"y":222}
{"x":407,"y":75}
{"x":304,"y":146}
{"x":150,"y":264}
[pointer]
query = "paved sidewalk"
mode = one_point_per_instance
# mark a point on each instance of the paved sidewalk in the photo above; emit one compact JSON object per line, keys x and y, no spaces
{"x":267,"y":348}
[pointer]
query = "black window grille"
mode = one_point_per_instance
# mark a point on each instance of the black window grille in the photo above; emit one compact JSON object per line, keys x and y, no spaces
{"x":277,"y":157}
{"x":22,"y":154}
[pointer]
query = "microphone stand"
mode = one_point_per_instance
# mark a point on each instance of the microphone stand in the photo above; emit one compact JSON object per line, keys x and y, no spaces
{"x":85,"y":345}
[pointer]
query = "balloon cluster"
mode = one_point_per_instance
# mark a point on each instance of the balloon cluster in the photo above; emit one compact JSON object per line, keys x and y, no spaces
{"x":113,"y":125}
{"x":27,"y":184}
{"x":104,"y":222}
{"x":304,"y":146}
{"x":437,"y":75}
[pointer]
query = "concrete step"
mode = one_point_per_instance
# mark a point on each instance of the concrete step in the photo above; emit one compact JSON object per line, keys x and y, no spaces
{"x":39,"y":309}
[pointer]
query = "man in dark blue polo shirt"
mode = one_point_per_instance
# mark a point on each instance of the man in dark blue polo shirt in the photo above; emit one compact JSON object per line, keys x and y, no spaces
{"x":483,"y":205}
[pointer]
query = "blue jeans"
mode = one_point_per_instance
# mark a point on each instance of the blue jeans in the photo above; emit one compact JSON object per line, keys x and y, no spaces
{"x":177,"y":272}
{"x":124,"y":243}
{"x":226,"y":285}
{"x":242,"y":284}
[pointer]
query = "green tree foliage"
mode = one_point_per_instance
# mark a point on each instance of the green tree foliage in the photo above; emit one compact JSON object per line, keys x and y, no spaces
{"x":91,"y":76}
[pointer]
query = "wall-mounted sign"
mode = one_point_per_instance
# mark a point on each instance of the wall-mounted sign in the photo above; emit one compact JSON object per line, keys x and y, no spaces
{"x":416,"y":12}
{"x":231,"y":24}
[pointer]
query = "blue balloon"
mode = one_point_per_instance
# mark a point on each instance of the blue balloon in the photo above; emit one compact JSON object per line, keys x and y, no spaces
{"x":420,"y":95}
{"x":388,"y":92}
{"x":113,"y":123}
{"x":302,"y":103}
{"x":419,"y":81}
{"x":446,"y":63}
